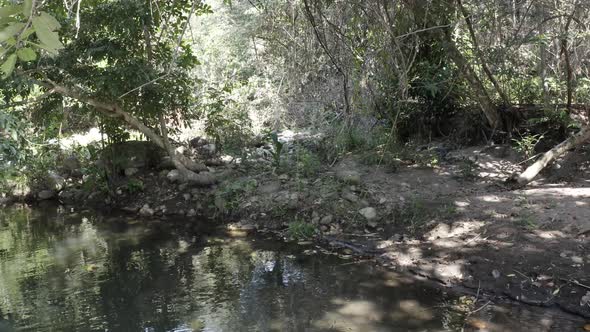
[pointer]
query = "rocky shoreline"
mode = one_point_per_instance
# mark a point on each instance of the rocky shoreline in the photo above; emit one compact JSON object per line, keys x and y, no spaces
{"x":461,"y":230}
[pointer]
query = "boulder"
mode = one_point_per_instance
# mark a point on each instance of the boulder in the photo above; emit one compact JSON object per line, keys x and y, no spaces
{"x":118,"y":157}
{"x":131,"y":171}
{"x":71,"y":164}
{"x":46,"y":195}
{"x":146,"y":211}
{"x":174,"y":176}
{"x":370,"y":213}
{"x":53,"y":181}
{"x":349,"y":176}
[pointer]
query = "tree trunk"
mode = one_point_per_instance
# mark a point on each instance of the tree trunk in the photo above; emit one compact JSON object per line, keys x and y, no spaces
{"x":186,"y":166}
{"x":532,"y":171}
{"x":482,"y":60}
{"x":485,"y":102}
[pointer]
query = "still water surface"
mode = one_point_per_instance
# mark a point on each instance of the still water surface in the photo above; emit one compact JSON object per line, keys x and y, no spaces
{"x":81,"y":272}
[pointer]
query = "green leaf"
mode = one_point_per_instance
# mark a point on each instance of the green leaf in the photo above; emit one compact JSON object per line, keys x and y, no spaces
{"x":27,"y":33}
{"x":28,"y":8}
{"x":10,"y":10}
{"x":49,"y":39}
{"x":27,"y":54}
{"x":8,"y":66}
{"x":6,"y":20}
{"x":50,"y":21}
{"x":11,"y":30}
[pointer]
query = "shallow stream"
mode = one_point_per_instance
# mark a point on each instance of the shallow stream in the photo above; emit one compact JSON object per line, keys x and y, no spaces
{"x":64,"y":271}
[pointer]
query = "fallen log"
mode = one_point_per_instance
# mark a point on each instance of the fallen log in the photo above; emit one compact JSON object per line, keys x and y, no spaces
{"x":532,"y":171}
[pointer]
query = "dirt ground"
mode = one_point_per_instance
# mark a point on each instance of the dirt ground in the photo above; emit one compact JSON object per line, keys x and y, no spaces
{"x":530,"y":245}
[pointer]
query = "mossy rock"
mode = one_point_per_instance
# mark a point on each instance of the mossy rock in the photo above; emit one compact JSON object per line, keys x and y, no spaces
{"x":131,"y":154}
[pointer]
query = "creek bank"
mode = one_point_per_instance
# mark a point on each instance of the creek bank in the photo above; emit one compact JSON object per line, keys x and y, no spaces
{"x":454,"y":223}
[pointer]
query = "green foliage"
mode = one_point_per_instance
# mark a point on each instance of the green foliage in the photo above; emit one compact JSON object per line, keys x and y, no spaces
{"x":526,"y":144}
{"x":134,"y":186}
{"x":225,"y":122}
{"x":300,"y":230}
{"x":308,"y":164}
{"x":278,"y":149}
{"x":231,"y":194}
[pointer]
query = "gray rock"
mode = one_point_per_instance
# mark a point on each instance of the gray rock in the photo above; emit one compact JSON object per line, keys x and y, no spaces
{"x":174,"y":176}
{"x":315,"y":218}
{"x":46,"y":194}
{"x":186,"y":196}
{"x":326,"y":220}
{"x":146,"y":211}
{"x":348,"y":176}
{"x":54,"y":181}
{"x":370,"y":213}
{"x":351,"y":197}
{"x":191,"y":213}
{"x":71,"y":164}
{"x":131,"y":171}
{"x":270,"y":188}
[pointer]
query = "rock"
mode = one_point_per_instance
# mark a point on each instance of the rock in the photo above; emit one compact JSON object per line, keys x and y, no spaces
{"x":284,"y":177}
{"x":326,"y":220}
{"x":270,"y":188}
{"x":315,"y":218}
{"x":174,"y":176}
{"x":131,"y":171}
{"x":351,"y":197}
{"x":191,"y":213}
{"x":496,"y":274}
{"x":46,"y":194}
{"x":348,"y":176}
{"x":131,"y":154}
{"x":146,"y":211}
{"x":440,"y":231}
{"x":186,"y":196}
{"x":370,"y":213}
{"x":71,"y":164}
{"x":372,"y":224}
{"x":585,"y":300}
{"x":54,"y":181}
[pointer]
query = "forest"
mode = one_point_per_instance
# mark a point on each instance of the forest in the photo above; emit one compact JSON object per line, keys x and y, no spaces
{"x":448,"y":139}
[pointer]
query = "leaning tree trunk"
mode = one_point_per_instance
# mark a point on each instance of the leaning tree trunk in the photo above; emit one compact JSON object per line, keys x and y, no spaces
{"x":185,"y":166}
{"x":532,"y":171}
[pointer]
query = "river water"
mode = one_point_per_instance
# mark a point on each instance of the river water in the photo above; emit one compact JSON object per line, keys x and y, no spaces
{"x":66,"y":271}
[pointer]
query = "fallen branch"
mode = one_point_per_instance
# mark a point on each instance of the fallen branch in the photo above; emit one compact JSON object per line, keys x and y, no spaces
{"x":532,"y":171}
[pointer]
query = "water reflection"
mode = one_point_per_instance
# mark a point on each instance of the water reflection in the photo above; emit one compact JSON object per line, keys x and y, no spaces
{"x":75,"y":272}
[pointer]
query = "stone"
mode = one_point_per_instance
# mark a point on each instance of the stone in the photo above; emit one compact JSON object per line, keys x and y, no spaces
{"x":370,"y":213}
{"x":315,"y":218}
{"x":284,"y":177}
{"x":46,"y":194}
{"x":174,"y":176}
{"x":348,"y":176}
{"x":372,"y":224}
{"x":186,"y":196}
{"x":326,"y":220}
{"x":54,"y":181}
{"x":71,"y":164}
{"x":131,"y":171}
{"x":351,"y":197}
{"x":146,"y":211}
{"x":270,"y":188}
{"x":191,"y":213}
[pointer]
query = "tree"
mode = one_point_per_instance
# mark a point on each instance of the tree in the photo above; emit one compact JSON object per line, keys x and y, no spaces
{"x":125,"y":61}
